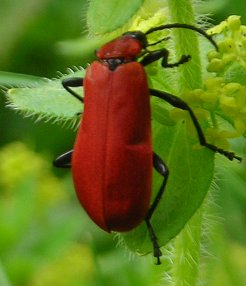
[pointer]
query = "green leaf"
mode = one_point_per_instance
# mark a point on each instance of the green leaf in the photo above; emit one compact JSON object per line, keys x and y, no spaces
{"x":47,"y":100}
{"x":107,"y":16}
{"x":17,"y":79}
{"x":161,"y":114}
{"x":191,"y":172}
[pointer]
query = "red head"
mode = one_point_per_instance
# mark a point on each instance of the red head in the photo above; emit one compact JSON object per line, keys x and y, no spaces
{"x":131,"y":44}
{"x":126,"y":47}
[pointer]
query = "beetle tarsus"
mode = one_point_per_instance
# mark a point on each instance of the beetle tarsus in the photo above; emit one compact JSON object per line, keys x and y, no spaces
{"x":184,"y":59}
{"x":227,"y":154}
{"x":156,"y":248}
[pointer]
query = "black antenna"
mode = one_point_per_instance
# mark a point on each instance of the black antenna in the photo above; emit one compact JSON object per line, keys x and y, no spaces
{"x":157,"y":42}
{"x":184,"y":26}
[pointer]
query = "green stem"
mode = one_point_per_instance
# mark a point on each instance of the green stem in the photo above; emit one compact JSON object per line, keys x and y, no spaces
{"x":186,"y":43}
{"x":185,"y":267}
{"x":187,"y":253}
{"x":3,"y":277}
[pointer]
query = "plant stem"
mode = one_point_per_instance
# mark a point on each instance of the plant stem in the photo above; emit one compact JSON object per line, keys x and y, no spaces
{"x":187,"y":252}
{"x":186,"y":43}
{"x":3,"y":277}
{"x":185,"y":266}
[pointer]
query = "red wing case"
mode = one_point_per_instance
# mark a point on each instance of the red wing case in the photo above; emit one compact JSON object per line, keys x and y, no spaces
{"x":112,"y":159}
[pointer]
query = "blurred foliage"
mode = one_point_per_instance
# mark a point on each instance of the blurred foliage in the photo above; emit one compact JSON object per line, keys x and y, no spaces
{"x":45,"y":238}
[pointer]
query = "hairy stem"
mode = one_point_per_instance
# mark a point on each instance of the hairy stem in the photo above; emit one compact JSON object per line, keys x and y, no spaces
{"x":185,"y":266}
{"x":186,"y":43}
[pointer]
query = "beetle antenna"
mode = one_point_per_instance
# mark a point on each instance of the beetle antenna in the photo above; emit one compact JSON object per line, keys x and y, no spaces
{"x":155,"y":43}
{"x":184,"y":26}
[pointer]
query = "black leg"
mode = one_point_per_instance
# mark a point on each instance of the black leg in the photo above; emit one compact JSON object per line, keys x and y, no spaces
{"x":163,"y":54}
{"x":179,"y":103}
{"x":184,"y":59}
{"x":154,"y":56}
{"x":73,"y":82}
{"x":162,"y":169}
{"x":156,"y":248}
{"x":64,"y":160}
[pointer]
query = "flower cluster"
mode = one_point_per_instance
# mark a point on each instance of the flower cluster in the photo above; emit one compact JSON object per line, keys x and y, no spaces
{"x":222,"y":99}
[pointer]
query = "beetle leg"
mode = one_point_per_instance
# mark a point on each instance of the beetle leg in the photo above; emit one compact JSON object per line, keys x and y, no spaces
{"x":64,"y":160}
{"x":162,"y":169}
{"x":184,"y":59}
{"x":73,"y":82}
{"x":179,"y":103}
{"x":163,"y":54}
{"x":154,"y":56}
{"x":156,"y":248}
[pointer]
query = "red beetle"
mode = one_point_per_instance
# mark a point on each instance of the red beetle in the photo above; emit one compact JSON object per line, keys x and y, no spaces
{"x":113,"y":157}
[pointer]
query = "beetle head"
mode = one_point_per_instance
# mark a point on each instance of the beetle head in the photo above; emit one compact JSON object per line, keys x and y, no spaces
{"x":130,"y":44}
{"x":127,"y":47}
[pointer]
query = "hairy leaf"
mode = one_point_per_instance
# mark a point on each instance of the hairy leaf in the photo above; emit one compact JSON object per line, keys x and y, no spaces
{"x":47,"y":100}
{"x":104,"y":17}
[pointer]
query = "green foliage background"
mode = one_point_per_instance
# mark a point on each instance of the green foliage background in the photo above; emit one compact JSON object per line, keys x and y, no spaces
{"x":45,"y":237}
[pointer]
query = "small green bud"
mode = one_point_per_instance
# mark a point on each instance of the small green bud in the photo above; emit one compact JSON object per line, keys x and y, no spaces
{"x":234,"y":22}
{"x":216,"y":65}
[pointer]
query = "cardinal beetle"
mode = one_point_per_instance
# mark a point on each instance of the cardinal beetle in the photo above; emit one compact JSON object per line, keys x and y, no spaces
{"x":112,"y":158}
